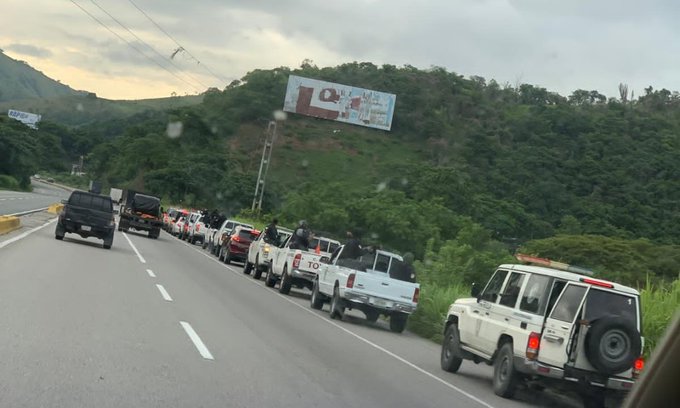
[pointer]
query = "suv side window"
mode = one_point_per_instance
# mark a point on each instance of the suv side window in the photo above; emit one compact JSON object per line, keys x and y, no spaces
{"x":535,"y":295}
{"x":493,"y":288}
{"x":512,"y":288}
{"x":566,"y":308}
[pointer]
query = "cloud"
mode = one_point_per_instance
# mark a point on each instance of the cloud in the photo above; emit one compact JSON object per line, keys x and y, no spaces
{"x":560,"y":45}
{"x":30,"y":50}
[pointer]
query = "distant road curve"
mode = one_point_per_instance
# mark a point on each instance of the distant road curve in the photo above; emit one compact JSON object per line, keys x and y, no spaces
{"x":44,"y":194}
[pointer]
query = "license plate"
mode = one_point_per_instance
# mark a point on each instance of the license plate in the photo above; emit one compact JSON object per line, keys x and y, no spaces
{"x":380,"y":302}
{"x":86,"y":228}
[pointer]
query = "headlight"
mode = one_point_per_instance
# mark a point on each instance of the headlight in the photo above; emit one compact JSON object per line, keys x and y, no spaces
{"x":266,"y":248}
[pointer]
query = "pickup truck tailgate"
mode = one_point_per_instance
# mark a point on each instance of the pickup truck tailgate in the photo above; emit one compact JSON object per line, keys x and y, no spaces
{"x":384,"y":289}
{"x":87,"y":216}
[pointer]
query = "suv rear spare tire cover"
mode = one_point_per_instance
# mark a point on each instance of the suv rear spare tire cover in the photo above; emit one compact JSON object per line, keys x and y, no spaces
{"x":612,"y":344}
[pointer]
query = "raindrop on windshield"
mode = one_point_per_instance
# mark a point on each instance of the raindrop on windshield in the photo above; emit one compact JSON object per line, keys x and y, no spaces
{"x":80,"y":107}
{"x":174,"y":129}
{"x":381,"y":186}
{"x":305,"y":163}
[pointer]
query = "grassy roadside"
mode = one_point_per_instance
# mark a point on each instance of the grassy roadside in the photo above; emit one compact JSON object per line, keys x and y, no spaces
{"x":659,"y":305}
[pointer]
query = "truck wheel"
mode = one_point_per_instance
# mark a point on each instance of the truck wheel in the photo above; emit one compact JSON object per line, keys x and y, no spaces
{"x":398,"y":322}
{"x":505,"y":378}
{"x":247,"y":267}
{"x":269,"y":279}
{"x":59,"y":232}
{"x":337,"y":306}
{"x":450,"y":358}
{"x":372,"y":316}
{"x":257,"y":269}
{"x":108,"y":241}
{"x":316,"y":301}
{"x":286,"y":281}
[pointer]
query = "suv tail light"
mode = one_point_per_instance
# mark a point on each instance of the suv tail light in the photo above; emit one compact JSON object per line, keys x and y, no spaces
{"x":296,"y":260}
{"x":236,"y":238}
{"x":638,"y":365}
{"x":533,"y":345}
{"x":416,"y":295}
{"x":350,"y":280}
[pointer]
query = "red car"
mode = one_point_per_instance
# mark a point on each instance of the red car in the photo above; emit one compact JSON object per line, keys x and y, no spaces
{"x":235,"y":248}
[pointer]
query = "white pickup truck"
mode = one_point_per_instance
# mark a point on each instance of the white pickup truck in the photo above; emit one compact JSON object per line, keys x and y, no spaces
{"x":374,"y":283}
{"x":296,"y":267}
{"x":259,"y":253}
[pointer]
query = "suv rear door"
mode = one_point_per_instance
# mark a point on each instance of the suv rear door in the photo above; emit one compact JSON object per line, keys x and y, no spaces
{"x":559,"y":325}
{"x":376,"y":282}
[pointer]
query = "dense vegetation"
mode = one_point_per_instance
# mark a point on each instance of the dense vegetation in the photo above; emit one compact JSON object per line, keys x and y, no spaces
{"x":471,"y":171}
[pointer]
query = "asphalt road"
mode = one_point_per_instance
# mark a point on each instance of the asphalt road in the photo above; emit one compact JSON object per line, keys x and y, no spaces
{"x":83,"y":327}
{"x":43,"y":195}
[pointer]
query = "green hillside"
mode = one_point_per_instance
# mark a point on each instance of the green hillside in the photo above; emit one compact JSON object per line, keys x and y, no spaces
{"x":18,"y":80}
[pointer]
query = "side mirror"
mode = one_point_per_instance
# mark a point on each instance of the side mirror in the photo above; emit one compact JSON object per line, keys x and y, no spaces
{"x":325,"y":259}
{"x":116,"y":212}
{"x":64,"y":201}
{"x":474,"y":290}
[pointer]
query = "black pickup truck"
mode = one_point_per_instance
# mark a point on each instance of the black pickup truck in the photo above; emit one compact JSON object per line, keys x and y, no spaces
{"x":88,"y":215}
{"x":140,"y":212}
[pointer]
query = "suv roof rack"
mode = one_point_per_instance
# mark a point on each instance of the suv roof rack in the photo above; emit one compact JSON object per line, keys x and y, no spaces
{"x":532,"y":260}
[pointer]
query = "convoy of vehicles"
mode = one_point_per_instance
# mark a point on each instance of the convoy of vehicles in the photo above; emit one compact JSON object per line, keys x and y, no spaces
{"x":552,"y":324}
{"x":88,"y":215}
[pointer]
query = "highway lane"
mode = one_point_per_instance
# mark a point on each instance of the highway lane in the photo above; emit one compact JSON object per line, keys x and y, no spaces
{"x":84,"y":326}
{"x":42,"y":196}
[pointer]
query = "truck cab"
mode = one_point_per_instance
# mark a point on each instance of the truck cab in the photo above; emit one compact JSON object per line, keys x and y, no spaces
{"x":260,"y":250}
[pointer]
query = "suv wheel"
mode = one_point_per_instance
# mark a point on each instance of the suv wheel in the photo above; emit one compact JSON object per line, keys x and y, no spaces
{"x":612,"y":345}
{"x":257,"y":269}
{"x":505,"y":378}
{"x":450,"y":358}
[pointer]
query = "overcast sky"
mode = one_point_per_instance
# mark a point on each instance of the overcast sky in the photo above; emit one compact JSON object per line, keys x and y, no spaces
{"x":558,"y":44}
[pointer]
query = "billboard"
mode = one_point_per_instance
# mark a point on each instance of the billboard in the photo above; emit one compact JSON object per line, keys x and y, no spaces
{"x":29,"y":119}
{"x":342,"y":103}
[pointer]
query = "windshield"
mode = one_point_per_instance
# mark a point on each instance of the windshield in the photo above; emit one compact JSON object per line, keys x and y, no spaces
{"x":453,"y":135}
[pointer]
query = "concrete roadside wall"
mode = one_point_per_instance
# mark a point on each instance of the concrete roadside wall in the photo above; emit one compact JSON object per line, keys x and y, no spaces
{"x":9,"y":224}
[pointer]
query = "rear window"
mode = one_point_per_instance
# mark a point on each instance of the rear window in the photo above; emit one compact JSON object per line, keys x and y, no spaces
{"x":382,"y":263}
{"x":91,"y":201}
{"x":249,"y":235}
{"x":566,"y":308}
{"x":324,"y":245}
{"x":402,"y":271}
{"x":600,"y":303}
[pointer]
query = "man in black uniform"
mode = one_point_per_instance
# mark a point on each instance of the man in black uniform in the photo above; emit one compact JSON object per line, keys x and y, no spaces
{"x":301,"y":236}
{"x":271,"y":234}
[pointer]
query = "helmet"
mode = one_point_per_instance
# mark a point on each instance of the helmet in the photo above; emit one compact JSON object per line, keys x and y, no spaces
{"x":303,"y":223}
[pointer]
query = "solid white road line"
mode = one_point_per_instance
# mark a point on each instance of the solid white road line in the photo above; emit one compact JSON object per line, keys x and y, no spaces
{"x":150,"y":272}
{"x":205,"y":353}
{"x":134,"y":248}
{"x":25,"y":234}
{"x":164,"y":293}
{"x":351,"y":333}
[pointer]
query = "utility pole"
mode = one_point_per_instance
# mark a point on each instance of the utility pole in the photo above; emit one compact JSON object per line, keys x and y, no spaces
{"x":270,"y":137}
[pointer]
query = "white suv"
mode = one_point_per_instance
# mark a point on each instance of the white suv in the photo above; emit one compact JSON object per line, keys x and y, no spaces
{"x":551,"y":326}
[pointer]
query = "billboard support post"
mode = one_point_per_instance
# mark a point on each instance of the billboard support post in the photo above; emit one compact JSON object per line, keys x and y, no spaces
{"x":270,"y":137}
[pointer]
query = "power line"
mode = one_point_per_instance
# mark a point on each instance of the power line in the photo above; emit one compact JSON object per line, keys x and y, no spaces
{"x":181,"y":47}
{"x":132,"y":45}
{"x":145,"y":43}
